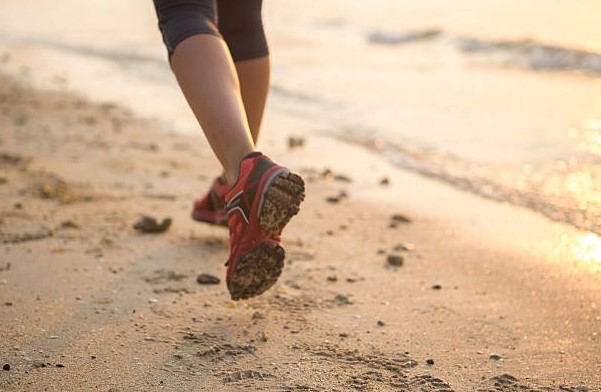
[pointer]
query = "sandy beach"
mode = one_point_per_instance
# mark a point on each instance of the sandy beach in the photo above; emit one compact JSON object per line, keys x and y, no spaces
{"x":449,"y":240}
{"x":489,"y":297}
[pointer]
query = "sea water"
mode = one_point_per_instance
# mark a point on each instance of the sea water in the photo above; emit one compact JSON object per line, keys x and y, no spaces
{"x":499,"y":98}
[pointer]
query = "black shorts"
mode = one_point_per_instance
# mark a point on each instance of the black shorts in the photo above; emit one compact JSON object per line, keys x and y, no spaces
{"x":238,"y":22}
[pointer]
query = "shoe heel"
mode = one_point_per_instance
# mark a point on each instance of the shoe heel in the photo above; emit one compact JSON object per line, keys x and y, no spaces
{"x":281,"y":201}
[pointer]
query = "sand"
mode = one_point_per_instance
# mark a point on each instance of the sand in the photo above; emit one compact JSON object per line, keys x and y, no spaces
{"x":489,"y":297}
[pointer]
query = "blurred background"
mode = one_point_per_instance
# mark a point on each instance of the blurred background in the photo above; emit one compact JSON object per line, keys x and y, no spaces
{"x":500,"y":98}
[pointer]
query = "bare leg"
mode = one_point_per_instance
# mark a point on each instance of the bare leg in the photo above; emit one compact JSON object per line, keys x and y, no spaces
{"x":205,"y":72}
{"x":254,"y":78}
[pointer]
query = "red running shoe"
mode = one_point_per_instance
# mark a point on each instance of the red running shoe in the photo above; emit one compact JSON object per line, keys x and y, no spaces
{"x":258,"y":207}
{"x":211,"y":208}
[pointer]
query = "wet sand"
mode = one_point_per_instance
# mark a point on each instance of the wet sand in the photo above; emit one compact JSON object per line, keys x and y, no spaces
{"x":489,"y":297}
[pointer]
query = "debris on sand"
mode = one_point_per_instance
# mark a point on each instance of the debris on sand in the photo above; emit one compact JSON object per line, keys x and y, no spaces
{"x":337,"y":199}
{"x":207,"y":279}
{"x":395,"y":260}
{"x":16,"y":238}
{"x":495,"y":357}
{"x":149,"y":224}
{"x":294,"y":142}
{"x":400,"y":218}
{"x":404,"y":247}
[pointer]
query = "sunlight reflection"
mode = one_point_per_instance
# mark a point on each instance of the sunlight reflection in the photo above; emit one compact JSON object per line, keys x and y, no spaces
{"x":587,"y":248}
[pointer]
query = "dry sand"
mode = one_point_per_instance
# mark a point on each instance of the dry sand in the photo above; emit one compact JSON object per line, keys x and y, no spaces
{"x":488,"y":297}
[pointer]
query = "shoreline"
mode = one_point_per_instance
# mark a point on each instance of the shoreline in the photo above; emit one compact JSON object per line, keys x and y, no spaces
{"x":507,"y":283}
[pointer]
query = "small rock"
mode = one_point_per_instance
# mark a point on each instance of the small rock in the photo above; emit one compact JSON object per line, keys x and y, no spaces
{"x":436,"y":287}
{"x":18,"y":206}
{"x":6,"y":367}
{"x":381,"y":251}
{"x":207,"y":279}
{"x":60,"y":365}
{"x":342,"y":178}
{"x":342,"y":299}
{"x":38,"y":364}
{"x":395,"y":260}
{"x":294,"y":142}
{"x":403,"y":247}
{"x":430,"y":361}
{"x":495,"y":357}
{"x":343,"y":335}
{"x":337,"y":199}
{"x":149,"y":224}
{"x":381,"y":323}
{"x":332,"y":278}
{"x":258,"y":316}
{"x":385,"y":181}
{"x":53,"y":337}
{"x":400,"y":218}
{"x":3,"y":282}
{"x":8,"y":304}
{"x":153,"y":300}
{"x":69,"y":224}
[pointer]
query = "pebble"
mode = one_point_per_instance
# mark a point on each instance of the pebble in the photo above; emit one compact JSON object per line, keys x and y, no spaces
{"x":381,"y":323}
{"x":436,"y":287}
{"x":343,"y":299}
{"x":430,"y":361}
{"x":153,"y":300}
{"x":404,"y":247}
{"x":60,"y":365}
{"x":495,"y":357}
{"x":400,"y":218}
{"x":148,"y":224}
{"x":384,"y":181}
{"x":258,"y":316}
{"x":332,"y":278}
{"x":395,"y":260}
{"x":6,"y":367}
{"x":207,"y":279}
{"x":52,"y":337}
{"x":3,"y":281}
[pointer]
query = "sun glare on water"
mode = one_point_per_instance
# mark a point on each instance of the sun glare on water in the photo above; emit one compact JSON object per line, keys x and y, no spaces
{"x":587,"y":248}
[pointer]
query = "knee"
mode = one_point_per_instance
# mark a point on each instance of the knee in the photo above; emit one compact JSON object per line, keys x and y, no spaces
{"x":241,"y":25}
{"x":179,"y":20}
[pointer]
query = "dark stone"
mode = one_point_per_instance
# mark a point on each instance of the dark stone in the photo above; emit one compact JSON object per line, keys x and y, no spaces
{"x":332,"y":278}
{"x":399,"y":218}
{"x":395,"y":260}
{"x":381,"y":323}
{"x":60,"y":365}
{"x":495,"y":357}
{"x":6,"y":367}
{"x":149,"y":224}
{"x":430,"y":361}
{"x":436,"y":287}
{"x":207,"y":279}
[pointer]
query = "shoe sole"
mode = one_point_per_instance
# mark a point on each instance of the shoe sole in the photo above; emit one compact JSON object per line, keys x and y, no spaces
{"x":258,"y":270}
{"x":281,"y":201}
